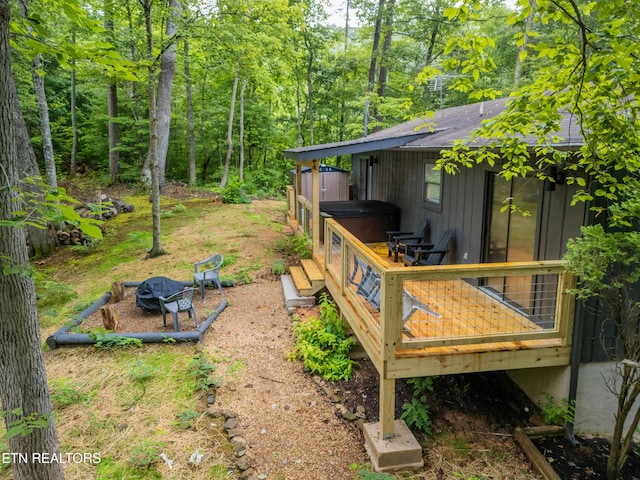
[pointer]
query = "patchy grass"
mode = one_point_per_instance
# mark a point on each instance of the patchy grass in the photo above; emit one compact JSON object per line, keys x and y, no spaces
{"x":131,"y":404}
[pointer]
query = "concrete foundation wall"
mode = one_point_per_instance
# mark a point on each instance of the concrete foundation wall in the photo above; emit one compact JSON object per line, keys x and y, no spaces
{"x":595,"y":404}
{"x":537,"y":383}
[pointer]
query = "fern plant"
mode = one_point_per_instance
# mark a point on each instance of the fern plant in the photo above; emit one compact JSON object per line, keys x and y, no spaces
{"x":554,"y":414}
{"x":416,"y":411}
{"x":323,"y":345}
{"x":416,"y":414}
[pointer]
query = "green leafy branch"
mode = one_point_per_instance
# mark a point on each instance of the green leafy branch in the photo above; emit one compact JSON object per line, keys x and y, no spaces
{"x":41,"y":204}
{"x":25,"y":424}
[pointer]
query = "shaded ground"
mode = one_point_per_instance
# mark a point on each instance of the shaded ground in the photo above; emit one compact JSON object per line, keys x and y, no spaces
{"x":484,"y":409}
{"x":587,"y":461}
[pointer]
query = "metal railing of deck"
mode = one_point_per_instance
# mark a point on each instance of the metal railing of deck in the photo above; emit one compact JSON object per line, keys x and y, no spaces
{"x":422,"y":307}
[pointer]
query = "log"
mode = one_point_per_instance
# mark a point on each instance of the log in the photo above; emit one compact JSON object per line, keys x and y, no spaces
{"x":64,"y":238}
{"x":109,"y":318}
{"x":543,"y":431}
{"x":534,"y":455}
{"x":117,"y":291}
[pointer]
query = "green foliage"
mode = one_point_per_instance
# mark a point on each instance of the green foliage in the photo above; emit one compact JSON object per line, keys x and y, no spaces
{"x":421,"y":385}
{"x":367,"y":475}
{"x":186,"y":419}
{"x":141,"y":372}
{"x":415,"y":412}
{"x":322,"y":343}
{"x":604,"y":262}
{"x":65,"y":393}
{"x":108,"y":341}
{"x":24,"y":425}
{"x":202,"y":369}
{"x":296,"y":246}
{"x":234,"y":192}
{"x":278,"y":267}
{"x":56,"y":206}
{"x":146,"y":454}
{"x":266,"y":182}
{"x":557,"y":414}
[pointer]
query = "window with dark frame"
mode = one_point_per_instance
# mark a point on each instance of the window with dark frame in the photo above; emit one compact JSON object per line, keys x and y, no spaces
{"x":432,"y":184}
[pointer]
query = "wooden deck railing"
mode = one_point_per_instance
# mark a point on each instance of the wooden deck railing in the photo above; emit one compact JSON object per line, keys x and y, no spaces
{"x":299,"y":210}
{"x":441,"y":306}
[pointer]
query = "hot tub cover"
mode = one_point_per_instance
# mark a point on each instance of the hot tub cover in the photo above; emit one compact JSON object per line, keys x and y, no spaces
{"x":149,"y":292}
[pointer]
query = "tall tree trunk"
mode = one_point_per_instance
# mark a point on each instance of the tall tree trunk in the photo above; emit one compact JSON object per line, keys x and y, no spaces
{"x":134,"y":89}
{"x":241,"y":132}
{"x":112,"y":103}
{"x":45,"y":125}
{"x":375,"y":46}
{"x":192,"y":134}
{"x":73,"y":164}
{"x":165,"y":87}
{"x":346,"y":25}
{"x":40,"y":241}
{"x":23,"y":381}
{"x":114,"y":131}
{"x":310,"y":61}
{"x":43,"y":107}
{"x":156,"y":249}
{"x":298,"y":100}
{"x":232,"y":110}
{"x":517,"y":73}
{"x":386,"y":45}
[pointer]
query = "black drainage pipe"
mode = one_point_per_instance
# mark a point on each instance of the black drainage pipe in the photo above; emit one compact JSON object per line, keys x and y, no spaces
{"x":63,"y":337}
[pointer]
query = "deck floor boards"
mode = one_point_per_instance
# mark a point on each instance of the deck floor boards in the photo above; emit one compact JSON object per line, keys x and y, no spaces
{"x":458,"y":318}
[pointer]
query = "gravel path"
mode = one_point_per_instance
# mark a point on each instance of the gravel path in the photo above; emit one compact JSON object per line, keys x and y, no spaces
{"x":290,"y":425}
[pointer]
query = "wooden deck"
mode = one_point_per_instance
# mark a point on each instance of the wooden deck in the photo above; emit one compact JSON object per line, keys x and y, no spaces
{"x":457,"y":316}
{"x":467,"y":325}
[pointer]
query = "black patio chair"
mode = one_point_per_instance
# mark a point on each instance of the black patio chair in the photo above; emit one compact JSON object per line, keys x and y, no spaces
{"x":429,"y":254}
{"x":397,"y":241}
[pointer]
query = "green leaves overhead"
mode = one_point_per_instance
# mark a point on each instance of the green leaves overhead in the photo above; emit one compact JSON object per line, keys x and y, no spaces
{"x":585,"y":68}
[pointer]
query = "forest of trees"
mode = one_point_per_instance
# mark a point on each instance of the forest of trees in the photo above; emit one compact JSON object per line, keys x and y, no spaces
{"x":234,"y":81}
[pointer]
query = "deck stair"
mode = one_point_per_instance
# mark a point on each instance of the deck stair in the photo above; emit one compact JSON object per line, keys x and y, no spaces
{"x":307,"y":277}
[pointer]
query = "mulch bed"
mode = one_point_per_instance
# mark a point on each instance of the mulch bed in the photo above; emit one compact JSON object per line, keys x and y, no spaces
{"x":587,"y":461}
{"x":134,"y":319}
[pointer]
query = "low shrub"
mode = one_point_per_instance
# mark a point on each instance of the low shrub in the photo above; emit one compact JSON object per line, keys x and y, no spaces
{"x":323,"y":345}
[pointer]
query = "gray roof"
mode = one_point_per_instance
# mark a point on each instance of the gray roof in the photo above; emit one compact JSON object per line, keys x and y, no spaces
{"x":436,"y":133}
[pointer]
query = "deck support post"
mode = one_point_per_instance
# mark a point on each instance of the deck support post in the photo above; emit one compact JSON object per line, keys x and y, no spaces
{"x":387,"y":407}
{"x":389,"y":442}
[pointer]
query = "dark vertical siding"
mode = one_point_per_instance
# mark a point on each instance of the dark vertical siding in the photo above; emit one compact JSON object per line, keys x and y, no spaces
{"x":398,"y":178}
{"x":559,"y":221}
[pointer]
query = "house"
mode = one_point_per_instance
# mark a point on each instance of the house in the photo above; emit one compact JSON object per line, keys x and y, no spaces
{"x":499,"y":301}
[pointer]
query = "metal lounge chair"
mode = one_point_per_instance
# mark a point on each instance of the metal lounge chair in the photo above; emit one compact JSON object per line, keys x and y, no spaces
{"x":208,"y":271}
{"x":423,"y":254}
{"x":178,"y":302}
{"x":397,"y":241}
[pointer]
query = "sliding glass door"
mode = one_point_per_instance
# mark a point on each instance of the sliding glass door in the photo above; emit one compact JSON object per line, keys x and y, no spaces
{"x":511,"y":219}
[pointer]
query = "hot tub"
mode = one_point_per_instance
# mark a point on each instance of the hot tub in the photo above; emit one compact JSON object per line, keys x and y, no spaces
{"x":368,"y":220}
